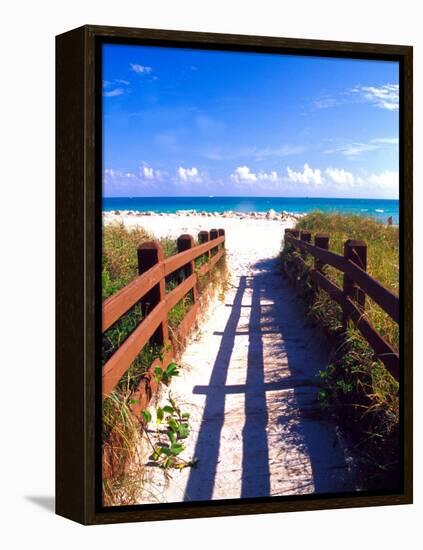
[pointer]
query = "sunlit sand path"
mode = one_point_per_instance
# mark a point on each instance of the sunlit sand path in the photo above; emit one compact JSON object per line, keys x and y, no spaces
{"x":248,"y":382}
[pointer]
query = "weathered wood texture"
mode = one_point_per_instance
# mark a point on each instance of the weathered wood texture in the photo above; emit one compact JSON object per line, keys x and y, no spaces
{"x":357,"y":284}
{"x":149,"y":290}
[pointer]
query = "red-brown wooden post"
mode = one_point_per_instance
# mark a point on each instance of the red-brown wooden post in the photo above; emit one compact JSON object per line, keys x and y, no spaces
{"x":150,"y":254}
{"x":221,"y":233}
{"x":213,"y":235}
{"x":321,"y":240}
{"x":185,"y":242}
{"x":204,"y":237}
{"x":290,"y":268}
{"x":306,"y":237}
{"x":356,"y":252}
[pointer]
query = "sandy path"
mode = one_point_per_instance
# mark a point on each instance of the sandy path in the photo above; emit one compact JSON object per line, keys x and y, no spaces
{"x":248,"y":383}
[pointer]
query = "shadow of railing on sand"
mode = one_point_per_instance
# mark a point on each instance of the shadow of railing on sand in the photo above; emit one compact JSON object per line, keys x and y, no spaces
{"x":201,"y":480}
{"x":310,"y":456}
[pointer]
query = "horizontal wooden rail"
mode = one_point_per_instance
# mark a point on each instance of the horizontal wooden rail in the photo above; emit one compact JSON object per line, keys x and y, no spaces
{"x":148,"y":290}
{"x":384,"y":298}
{"x":179,"y":292}
{"x":117,"y":305}
{"x":381,"y":295}
{"x":177,"y":261}
{"x":323,"y":255}
{"x":383,"y":350}
{"x":120,"y":361}
{"x":357,"y":284}
{"x":205,"y":268}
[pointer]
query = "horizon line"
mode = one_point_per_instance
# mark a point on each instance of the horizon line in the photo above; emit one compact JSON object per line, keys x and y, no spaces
{"x":241,"y":197}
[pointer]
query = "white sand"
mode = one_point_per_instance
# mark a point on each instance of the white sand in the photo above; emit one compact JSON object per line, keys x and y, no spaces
{"x":248,"y":381}
{"x":247,"y":240}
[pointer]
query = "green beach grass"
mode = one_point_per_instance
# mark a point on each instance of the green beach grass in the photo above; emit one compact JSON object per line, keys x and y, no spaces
{"x":121,"y":433}
{"x":355,"y":386}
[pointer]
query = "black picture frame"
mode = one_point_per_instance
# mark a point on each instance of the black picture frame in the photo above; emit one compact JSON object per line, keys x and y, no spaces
{"x":78,"y":249}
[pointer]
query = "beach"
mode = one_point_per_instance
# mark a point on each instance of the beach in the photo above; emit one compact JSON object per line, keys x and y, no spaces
{"x":245,"y":341}
{"x":250,"y":238}
{"x":380,"y":209}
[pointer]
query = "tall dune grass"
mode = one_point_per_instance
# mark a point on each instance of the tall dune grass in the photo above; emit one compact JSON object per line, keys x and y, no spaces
{"x":382,"y":257}
{"x":355,"y":386}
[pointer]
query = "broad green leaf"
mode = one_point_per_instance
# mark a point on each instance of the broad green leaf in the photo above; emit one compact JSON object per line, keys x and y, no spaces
{"x":176,"y":448}
{"x":159,"y":414}
{"x":171,"y":367}
{"x":185,"y":415}
{"x":147,"y":415}
{"x":183,"y":430}
{"x":172,"y":424}
{"x":168,"y":409}
{"x":172,"y":370}
{"x":171,"y":435}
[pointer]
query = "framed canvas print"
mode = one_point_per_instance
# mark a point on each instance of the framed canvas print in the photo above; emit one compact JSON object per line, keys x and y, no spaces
{"x":234,"y":274}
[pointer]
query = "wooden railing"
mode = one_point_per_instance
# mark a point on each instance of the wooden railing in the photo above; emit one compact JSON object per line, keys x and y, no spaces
{"x":148,"y":289}
{"x":357,"y":283}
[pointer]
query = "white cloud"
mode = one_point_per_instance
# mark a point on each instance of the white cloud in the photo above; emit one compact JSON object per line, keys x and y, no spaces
{"x":384,"y":97}
{"x":387,"y":181}
{"x":189,"y":174}
{"x":140,"y":69}
{"x":244,"y":174}
{"x":307,"y":176}
{"x":355,"y":149}
{"x":340,"y":176}
{"x":114,"y":93}
{"x":110,"y":174}
{"x":387,"y":141}
{"x":148,"y":173}
{"x":107,"y":84}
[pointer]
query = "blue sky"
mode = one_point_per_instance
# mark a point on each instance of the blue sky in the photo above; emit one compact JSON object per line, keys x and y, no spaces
{"x":180,"y":122}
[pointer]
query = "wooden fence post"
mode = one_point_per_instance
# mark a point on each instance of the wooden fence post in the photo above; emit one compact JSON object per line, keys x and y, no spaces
{"x":356,"y":252}
{"x":322,"y":241}
{"x":221,"y":233}
{"x":185,"y":242}
{"x":213,"y":235}
{"x":204,"y":237}
{"x":295,"y":233}
{"x":149,"y":254}
{"x":306,"y":237}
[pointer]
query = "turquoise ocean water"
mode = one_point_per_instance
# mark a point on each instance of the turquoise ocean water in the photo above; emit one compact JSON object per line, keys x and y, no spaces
{"x":380,"y":209}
